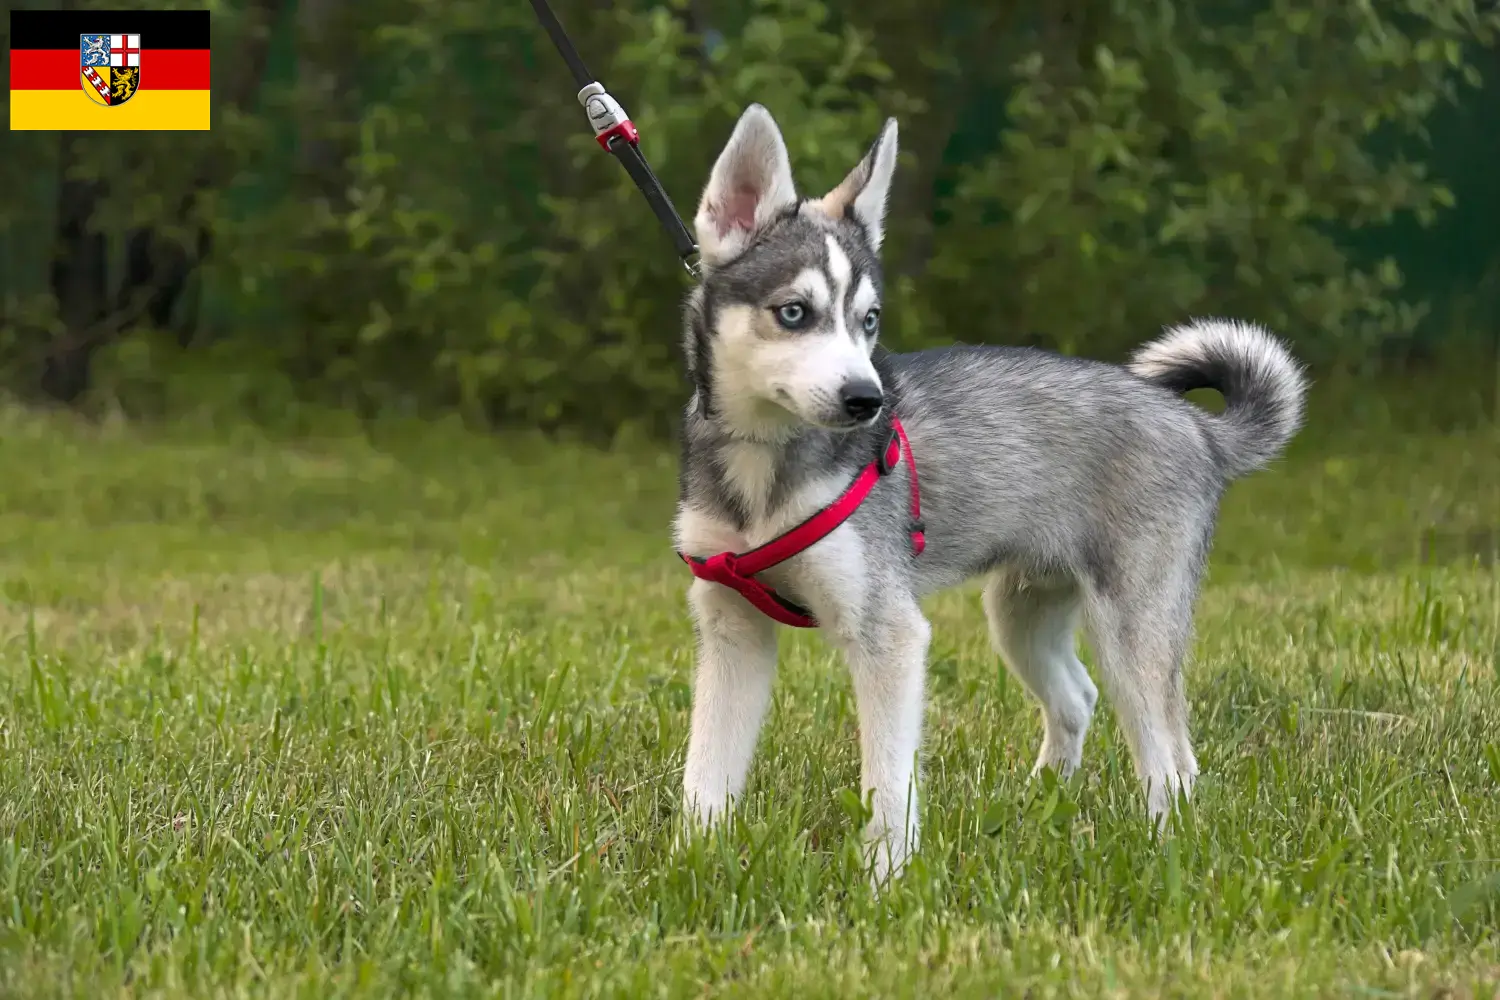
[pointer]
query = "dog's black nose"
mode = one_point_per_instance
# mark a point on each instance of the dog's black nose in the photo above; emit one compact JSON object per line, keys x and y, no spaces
{"x":861,"y":399}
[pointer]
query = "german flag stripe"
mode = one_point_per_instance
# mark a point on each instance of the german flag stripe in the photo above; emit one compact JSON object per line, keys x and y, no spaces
{"x":61,"y":29}
{"x":156,"y":111}
{"x":58,"y":69}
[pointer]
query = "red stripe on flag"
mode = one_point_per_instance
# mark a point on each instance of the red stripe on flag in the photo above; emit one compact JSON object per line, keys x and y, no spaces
{"x":59,"y":69}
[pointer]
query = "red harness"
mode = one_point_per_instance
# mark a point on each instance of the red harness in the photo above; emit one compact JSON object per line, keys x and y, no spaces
{"x":738,"y":569}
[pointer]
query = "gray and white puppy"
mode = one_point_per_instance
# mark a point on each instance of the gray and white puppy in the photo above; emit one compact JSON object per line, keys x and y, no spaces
{"x":1074,"y":488}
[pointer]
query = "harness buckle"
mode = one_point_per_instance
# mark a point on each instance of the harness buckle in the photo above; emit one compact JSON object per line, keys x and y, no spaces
{"x":720,"y":568}
{"x":890,"y":455}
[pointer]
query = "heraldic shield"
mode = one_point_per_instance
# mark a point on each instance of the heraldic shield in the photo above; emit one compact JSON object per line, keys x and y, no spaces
{"x":111,"y":67}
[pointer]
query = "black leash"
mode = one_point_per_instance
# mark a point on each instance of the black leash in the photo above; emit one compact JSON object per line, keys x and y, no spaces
{"x":613,"y":130}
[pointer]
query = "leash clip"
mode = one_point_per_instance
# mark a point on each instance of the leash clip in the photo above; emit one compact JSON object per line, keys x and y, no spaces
{"x":616,"y":134}
{"x":606,"y":117}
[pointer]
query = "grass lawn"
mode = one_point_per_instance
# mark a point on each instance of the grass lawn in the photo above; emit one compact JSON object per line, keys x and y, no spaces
{"x":405,"y":712}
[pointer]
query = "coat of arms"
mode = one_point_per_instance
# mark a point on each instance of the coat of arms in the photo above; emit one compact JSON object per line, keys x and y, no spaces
{"x":111,"y":67}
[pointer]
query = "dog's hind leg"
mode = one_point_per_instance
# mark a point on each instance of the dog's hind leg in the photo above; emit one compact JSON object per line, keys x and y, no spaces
{"x":732,"y":689}
{"x":1033,"y":627}
{"x":1141,"y":635}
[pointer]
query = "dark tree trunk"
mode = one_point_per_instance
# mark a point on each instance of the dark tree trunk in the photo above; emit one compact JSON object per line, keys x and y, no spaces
{"x":949,"y":54}
{"x":159,"y":270}
{"x":324,"y":79}
{"x":79,"y":278}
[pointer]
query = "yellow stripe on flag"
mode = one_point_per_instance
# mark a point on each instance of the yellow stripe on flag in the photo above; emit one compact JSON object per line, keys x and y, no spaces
{"x":148,"y":110}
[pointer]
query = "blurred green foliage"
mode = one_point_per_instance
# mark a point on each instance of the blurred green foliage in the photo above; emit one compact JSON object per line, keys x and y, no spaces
{"x":400,"y":207}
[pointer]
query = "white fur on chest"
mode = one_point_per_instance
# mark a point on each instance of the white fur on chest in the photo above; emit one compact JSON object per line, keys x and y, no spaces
{"x":829,"y":577}
{"x":750,"y":472}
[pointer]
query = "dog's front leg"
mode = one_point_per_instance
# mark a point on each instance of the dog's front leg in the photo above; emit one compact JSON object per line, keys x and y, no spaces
{"x":736,"y":664}
{"x":888,"y":659}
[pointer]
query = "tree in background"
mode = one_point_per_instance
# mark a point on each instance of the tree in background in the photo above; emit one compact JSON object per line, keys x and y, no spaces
{"x":400,"y":206}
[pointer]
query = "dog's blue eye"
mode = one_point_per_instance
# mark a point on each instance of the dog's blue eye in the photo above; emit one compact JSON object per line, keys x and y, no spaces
{"x":872,"y":321}
{"x":792,"y":315}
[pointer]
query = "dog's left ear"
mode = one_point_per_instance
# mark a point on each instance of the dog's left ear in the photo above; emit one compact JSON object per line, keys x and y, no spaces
{"x":751,"y":182}
{"x":862,"y":195}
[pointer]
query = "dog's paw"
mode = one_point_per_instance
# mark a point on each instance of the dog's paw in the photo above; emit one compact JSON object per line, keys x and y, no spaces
{"x":886,"y":852}
{"x":705,"y":811}
{"x":701,"y":815}
{"x":1165,"y":793}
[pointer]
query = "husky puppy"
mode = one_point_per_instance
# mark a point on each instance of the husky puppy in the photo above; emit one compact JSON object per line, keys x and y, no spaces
{"x":1075,"y":489}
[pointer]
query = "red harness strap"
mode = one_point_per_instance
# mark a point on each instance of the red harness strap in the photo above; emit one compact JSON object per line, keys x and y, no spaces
{"x":738,"y":570}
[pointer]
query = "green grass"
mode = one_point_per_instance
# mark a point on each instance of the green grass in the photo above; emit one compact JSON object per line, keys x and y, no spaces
{"x":405,"y":713}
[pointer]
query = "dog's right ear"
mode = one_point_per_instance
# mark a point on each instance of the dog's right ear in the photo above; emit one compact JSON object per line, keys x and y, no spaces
{"x":862,"y":195}
{"x":751,"y":182}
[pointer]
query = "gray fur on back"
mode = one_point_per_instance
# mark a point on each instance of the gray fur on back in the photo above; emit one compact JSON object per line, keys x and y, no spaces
{"x":1037,"y":460}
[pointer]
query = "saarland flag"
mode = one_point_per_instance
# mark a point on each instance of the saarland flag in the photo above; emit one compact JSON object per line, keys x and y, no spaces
{"x":86,"y":70}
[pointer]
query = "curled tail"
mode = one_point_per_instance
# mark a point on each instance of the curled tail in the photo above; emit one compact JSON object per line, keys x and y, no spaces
{"x":1263,"y":386}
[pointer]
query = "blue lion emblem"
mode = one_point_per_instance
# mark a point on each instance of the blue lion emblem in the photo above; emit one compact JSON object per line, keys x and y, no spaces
{"x":95,"y":49}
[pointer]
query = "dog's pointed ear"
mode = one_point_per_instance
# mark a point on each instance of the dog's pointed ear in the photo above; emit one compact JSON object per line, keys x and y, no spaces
{"x":751,"y":182}
{"x":863,"y":194}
